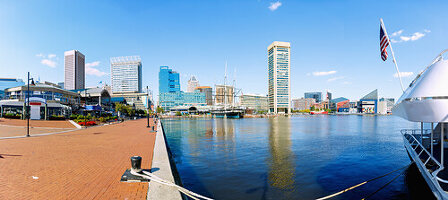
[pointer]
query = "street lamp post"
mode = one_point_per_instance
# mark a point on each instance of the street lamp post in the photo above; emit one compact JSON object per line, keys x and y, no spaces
{"x":27,"y":104}
{"x":85,"y":107}
{"x":147,"y":104}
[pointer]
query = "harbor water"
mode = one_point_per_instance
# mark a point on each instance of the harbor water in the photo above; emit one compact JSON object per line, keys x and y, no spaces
{"x":299,"y":157}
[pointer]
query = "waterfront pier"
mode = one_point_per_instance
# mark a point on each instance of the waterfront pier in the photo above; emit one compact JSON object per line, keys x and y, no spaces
{"x":81,"y":164}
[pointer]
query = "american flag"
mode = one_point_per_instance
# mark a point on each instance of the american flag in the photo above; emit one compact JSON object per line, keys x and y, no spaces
{"x":384,"y":43}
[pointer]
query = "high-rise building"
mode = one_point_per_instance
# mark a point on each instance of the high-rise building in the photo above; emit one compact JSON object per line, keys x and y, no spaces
{"x":168,"y":80}
{"x":279,"y":65}
{"x":126,"y":74}
{"x":224,"y":94}
{"x":315,"y":95}
{"x":208,"y":94}
{"x":74,"y":64}
{"x":192,"y":84}
{"x":170,"y":94}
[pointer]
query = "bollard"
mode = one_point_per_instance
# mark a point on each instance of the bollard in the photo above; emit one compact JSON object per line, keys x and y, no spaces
{"x":136,"y":163}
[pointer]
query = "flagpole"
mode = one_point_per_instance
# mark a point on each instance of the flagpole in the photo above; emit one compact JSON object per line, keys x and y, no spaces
{"x":393,"y":56}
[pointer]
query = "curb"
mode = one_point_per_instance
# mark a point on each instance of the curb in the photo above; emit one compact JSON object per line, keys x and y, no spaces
{"x":75,"y":124}
{"x":161,"y":162}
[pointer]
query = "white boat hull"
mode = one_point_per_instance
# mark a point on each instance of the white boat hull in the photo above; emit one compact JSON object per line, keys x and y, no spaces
{"x":426,"y":110}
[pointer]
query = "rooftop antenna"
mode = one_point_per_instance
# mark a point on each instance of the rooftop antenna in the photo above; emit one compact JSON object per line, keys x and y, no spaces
{"x":233,"y":90}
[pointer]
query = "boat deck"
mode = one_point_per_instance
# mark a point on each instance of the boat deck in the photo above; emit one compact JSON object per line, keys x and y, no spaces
{"x":444,"y":173}
{"x":430,"y":165}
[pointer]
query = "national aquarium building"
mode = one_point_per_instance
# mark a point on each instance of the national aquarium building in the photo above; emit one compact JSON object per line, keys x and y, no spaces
{"x":369,"y":103}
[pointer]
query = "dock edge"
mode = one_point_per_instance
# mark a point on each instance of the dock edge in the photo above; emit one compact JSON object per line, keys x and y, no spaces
{"x":164,"y":167}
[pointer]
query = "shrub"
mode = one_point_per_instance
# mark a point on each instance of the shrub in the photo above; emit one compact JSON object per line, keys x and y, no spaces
{"x":12,"y":116}
{"x":56,"y":117}
{"x":102,"y":119}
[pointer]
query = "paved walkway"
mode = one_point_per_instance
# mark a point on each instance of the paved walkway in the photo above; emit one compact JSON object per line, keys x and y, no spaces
{"x":37,"y":123}
{"x":83,"y":164}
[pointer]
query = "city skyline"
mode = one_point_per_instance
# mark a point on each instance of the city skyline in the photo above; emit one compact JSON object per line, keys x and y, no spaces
{"x":346,"y":62}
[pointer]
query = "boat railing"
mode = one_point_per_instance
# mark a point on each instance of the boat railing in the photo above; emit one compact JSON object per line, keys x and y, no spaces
{"x":423,"y":154}
{"x":416,"y":131}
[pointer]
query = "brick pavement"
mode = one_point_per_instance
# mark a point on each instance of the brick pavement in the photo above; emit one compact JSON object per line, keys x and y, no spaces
{"x":83,"y":164}
{"x":10,"y":131}
{"x":37,"y":123}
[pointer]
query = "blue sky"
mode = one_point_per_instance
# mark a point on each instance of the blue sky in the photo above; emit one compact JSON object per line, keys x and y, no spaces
{"x":334,"y":44}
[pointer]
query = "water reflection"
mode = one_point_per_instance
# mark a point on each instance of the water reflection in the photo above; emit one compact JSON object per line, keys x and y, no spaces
{"x":281,"y":161}
{"x":302,"y":157}
{"x":224,"y":128}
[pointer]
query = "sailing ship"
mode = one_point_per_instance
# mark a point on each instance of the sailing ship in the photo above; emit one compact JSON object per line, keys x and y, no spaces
{"x":227,"y":93}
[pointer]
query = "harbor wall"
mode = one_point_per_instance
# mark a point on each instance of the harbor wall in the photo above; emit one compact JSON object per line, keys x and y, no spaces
{"x":164,"y":167}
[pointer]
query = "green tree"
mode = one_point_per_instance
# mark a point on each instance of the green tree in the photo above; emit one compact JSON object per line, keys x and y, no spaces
{"x":160,"y":109}
{"x":125,"y":109}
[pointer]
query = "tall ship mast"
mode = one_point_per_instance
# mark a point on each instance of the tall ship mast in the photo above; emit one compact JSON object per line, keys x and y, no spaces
{"x":226,"y":112}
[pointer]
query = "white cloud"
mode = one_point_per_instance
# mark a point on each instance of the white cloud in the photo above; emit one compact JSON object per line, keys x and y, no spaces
{"x":324,"y":73}
{"x":274,"y":5}
{"x":397,"y":33}
{"x":335,"y":78}
{"x":48,"y":62}
{"x":93,"y":64}
{"x":415,"y":36}
{"x":404,"y":74}
{"x":90,"y":70}
{"x":346,"y":83}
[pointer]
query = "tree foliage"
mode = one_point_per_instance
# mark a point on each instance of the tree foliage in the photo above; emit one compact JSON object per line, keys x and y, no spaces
{"x":160,"y":109}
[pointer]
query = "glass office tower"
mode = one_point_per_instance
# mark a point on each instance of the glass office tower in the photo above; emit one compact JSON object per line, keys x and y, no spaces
{"x":279,"y":63}
{"x":126,"y":74}
{"x":168,"y":80}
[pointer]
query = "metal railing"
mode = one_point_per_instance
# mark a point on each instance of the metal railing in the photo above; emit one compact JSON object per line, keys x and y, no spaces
{"x":417,"y":146}
{"x":415,"y":131}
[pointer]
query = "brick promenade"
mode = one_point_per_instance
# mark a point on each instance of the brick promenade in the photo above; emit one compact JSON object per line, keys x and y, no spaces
{"x":83,"y":164}
{"x":37,"y":123}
